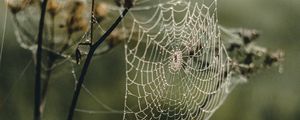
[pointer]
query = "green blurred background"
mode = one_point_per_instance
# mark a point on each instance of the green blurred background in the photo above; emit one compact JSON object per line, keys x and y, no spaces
{"x":268,"y":95}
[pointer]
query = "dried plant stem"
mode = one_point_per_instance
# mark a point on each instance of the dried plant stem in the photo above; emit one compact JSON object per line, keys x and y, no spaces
{"x":51,"y":44}
{"x":92,"y":20}
{"x":88,"y":61}
{"x":48,"y":73}
{"x":51,"y":58}
{"x":45,"y":88}
{"x":37,"y":89}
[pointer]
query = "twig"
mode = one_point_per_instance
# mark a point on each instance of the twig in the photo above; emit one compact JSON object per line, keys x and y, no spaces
{"x":37,"y":89}
{"x":92,"y":21}
{"x":45,"y":88}
{"x":51,"y":58}
{"x":87,"y":63}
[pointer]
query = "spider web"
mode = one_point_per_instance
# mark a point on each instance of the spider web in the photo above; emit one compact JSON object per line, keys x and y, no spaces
{"x":177,"y":67}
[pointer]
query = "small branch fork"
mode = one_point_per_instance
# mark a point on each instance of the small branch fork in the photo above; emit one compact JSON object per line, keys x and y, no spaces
{"x":37,"y":89}
{"x":87,"y":62}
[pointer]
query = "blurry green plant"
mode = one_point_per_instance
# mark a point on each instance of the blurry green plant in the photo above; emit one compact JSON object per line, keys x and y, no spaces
{"x":248,"y":58}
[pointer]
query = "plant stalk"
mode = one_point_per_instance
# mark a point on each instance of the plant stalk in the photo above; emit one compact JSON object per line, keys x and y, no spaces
{"x":45,"y":88}
{"x":88,"y":61}
{"x":37,"y":89}
{"x":92,"y":21}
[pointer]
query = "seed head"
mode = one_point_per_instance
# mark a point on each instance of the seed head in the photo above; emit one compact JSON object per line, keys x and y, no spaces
{"x":248,"y":35}
{"x":76,"y":21}
{"x":78,"y":8}
{"x":76,"y":24}
{"x":101,"y":11}
{"x":53,"y":7}
{"x":116,"y":37}
{"x":14,"y":6}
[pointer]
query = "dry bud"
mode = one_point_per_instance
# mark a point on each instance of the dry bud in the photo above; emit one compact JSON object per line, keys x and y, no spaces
{"x":75,"y":24}
{"x":274,"y":58}
{"x":116,"y":37}
{"x":101,"y":11}
{"x":247,"y":35}
{"x":78,"y":8}
{"x":14,"y":6}
{"x":53,"y":7}
{"x":76,"y":21}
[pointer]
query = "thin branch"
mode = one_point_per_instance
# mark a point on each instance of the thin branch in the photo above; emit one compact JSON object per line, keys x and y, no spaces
{"x":37,"y":89}
{"x":92,"y":21}
{"x":87,"y":63}
{"x":51,"y":58}
{"x":45,"y":88}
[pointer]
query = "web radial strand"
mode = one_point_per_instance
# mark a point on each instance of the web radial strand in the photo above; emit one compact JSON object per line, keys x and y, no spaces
{"x":177,"y":67}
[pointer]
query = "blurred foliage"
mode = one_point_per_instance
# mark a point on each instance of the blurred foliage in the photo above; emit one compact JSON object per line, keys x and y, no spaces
{"x":266,"y":96}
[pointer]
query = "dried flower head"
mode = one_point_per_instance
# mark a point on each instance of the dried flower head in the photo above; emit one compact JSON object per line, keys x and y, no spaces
{"x":53,"y":7}
{"x":274,"y":58}
{"x":101,"y":11}
{"x":77,"y":8}
{"x":76,"y":20}
{"x":15,"y":6}
{"x":75,"y":24}
{"x":247,"y":35}
{"x":116,"y":37}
